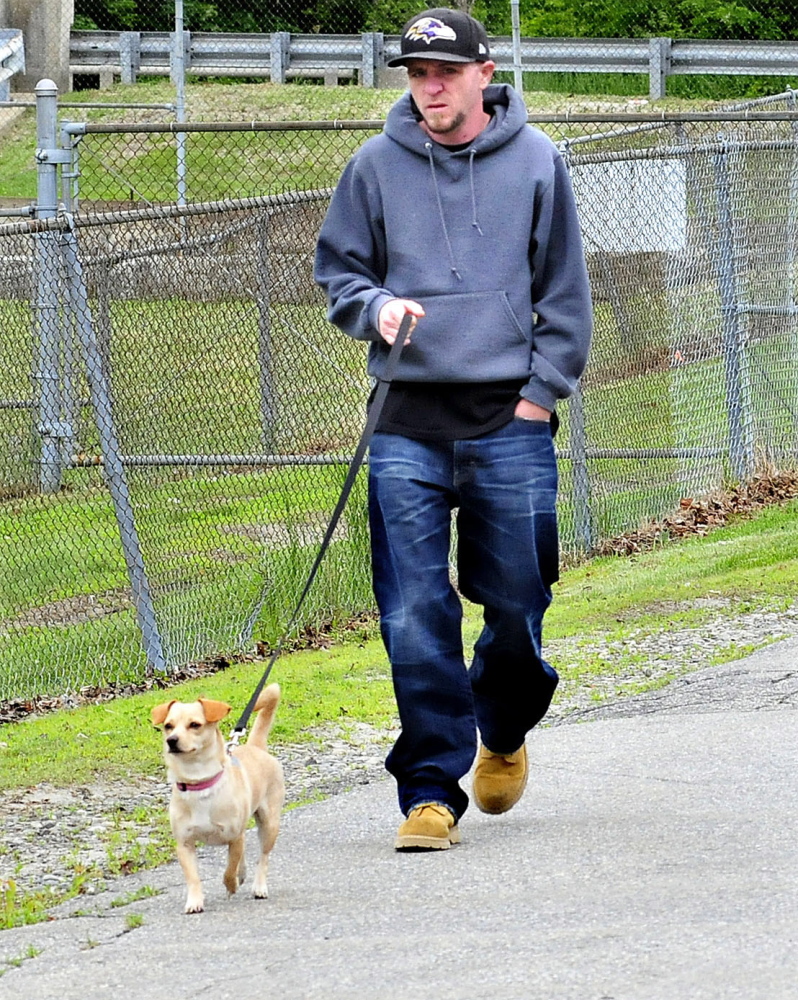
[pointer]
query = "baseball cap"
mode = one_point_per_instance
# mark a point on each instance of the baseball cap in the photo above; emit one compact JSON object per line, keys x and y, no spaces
{"x":443,"y":34}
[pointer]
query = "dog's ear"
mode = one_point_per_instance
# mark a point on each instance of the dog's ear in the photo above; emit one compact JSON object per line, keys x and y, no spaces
{"x":159,"y":713}
{"x":214,"y":710}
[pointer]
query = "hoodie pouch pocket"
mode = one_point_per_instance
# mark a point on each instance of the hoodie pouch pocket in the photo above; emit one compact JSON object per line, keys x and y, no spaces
{"x":466,"y":337}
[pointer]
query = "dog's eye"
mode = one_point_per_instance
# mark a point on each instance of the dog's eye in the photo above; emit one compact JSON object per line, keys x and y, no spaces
{"x":168,"y":727}
{"x":195,"y":725}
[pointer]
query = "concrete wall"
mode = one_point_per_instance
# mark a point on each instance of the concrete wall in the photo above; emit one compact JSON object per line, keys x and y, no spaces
{"x":45,"y":25}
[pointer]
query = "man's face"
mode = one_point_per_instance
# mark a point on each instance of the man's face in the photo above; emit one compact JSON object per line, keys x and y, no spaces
{"x":449,"y":97}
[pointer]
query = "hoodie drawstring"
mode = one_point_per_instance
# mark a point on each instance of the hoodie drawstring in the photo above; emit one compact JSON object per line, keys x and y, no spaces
{"x":474,"y":219}
{"x":452,"y":262}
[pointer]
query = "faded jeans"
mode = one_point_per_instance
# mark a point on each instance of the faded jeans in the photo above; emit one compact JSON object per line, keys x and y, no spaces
{"x":504,"y":485}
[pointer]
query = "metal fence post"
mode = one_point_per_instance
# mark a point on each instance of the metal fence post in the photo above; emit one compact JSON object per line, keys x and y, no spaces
{"x":583,"y":529}
{"x":112,"y":462}
{"x":181,"y":44}
{"x":264,"y":333}
{"x":518,"y":73}
{"x":738,"y":396}
{"x":792,"y":237}
{"x":46,"y":311}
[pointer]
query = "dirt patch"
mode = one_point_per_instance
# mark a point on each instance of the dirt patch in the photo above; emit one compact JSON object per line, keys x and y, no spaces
{"x":75,"y":610}
{"x":284,"y":536}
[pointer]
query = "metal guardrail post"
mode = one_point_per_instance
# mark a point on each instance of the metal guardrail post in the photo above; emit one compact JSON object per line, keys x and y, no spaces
{"x":281,"y":41}
{"x":46,"y":311}
{"x":372,"y":58}
{"x":659,"y":66}
{"x":129,"y":55}
{"x":738,"y":394}
{"x":111,"y":454}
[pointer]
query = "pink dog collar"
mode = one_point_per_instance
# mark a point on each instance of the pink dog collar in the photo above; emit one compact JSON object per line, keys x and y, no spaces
{"x":199,"y":786}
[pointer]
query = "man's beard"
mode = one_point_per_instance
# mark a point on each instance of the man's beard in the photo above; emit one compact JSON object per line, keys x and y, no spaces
{"x":455,"y":124}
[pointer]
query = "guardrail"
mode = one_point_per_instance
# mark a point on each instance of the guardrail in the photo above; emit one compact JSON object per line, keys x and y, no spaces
{"x":281,"y":56}
{"x":12,"y":59}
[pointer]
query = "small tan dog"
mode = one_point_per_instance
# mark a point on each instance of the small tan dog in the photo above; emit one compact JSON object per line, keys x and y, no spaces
{"x":216,"y":792}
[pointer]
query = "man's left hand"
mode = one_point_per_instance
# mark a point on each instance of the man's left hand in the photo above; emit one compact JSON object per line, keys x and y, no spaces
{"x":531,"y":411}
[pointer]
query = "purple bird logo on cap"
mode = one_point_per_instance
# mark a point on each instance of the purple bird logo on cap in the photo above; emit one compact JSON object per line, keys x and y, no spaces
{"x":426,"y":29}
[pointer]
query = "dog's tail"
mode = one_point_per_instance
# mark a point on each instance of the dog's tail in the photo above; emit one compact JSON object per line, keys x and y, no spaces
{"x":266,"y":707}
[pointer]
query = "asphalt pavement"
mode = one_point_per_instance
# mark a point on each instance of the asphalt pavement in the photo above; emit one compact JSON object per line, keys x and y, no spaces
{"x":654,"y":856}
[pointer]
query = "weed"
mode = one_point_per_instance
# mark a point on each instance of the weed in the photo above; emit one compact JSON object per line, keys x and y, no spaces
{"x":18,"y":908}
{"x":14,"y":963}
{"x":145,"y":892}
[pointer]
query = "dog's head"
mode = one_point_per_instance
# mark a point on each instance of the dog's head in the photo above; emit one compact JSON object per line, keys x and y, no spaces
{"x":189,"y":727}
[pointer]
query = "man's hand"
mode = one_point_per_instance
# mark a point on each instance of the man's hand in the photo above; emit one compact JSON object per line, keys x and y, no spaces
{"x":531,"y":411}
{"x":392,"y":314}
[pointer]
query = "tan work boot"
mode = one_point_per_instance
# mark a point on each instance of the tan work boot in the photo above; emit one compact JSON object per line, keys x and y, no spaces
{"x":499,"y":779}
{"x":429,"y":827}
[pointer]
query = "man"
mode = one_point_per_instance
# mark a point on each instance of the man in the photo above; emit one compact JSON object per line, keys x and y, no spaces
{"x":461,"y":215}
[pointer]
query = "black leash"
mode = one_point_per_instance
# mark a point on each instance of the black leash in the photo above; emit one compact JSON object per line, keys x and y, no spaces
{"x":357,"y":460}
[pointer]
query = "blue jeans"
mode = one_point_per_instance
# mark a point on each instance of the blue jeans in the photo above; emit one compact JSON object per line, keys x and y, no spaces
{"x":504,"y":485}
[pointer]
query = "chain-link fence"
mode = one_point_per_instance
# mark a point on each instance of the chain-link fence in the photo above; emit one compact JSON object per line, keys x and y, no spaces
{"x":176,"y":414}
{"x":83,"y":40}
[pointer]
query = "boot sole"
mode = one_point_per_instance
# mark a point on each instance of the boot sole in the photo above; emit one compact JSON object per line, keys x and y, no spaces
{"x":411,"y":842}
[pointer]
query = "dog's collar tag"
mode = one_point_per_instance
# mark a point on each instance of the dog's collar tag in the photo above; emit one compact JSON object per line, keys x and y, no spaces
{"x":199,"y":786}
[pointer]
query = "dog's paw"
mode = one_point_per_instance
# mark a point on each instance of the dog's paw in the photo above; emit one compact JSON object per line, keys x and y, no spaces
{"x":195,"y":903}
{"x":260,"y":891}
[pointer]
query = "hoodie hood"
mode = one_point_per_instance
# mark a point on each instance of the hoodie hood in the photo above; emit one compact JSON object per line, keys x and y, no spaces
{"x":500,"y":101}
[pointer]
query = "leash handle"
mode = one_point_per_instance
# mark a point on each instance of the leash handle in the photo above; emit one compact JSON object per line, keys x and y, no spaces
{"x":375,"y":412}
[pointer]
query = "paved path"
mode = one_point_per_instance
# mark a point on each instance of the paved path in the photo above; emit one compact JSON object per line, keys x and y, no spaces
{"x":654,"y":857}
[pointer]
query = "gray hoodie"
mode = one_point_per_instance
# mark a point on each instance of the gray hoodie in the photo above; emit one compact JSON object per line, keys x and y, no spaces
{"x":486,"y":239}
